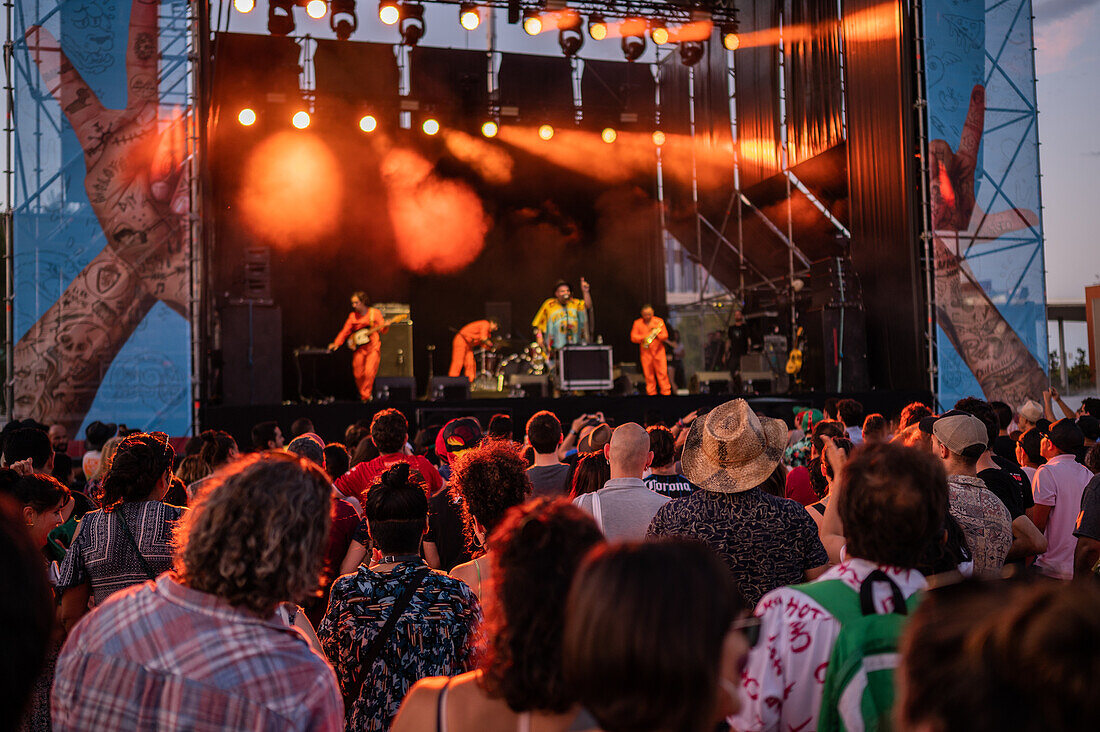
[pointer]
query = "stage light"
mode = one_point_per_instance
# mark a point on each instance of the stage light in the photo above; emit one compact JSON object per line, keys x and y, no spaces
{"x":430,"y":126}
{"x":608,"y":135}
{"x":412,"y":23}
{"x":490,"y":129}
{"x":316,"y":9}
{"x":633,"y":47}
{"x":658,"y":138}
{"x":658,"y":32}
{"x":247,"y":117}
{"x":244,"y":6}
{"x":388,"y":12}
{"x":280,"y":17}
{"x":368,"y":123}
{"x":570,"y":37}
{"x":597,"y":28}
{"x":300,"y":120}
{"x":532,"y":23}
{"x":343,"y":20}
{"x":546,"y":132}
{"x":730,"y":39}
{"x":691,"y":52}
{"x":468,"y":16}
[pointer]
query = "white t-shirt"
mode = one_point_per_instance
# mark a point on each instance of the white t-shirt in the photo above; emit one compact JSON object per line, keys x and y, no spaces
{"x":1060,"y":484}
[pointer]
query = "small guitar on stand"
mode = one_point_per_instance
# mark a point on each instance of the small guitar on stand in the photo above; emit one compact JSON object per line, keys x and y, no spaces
{"x":362,"y":336}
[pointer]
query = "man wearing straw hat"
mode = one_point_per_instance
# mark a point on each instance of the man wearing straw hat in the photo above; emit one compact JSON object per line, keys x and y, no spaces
{"x":767,"y":542}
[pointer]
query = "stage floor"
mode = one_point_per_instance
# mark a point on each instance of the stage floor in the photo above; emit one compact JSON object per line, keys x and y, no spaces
{"x":332,"y":419}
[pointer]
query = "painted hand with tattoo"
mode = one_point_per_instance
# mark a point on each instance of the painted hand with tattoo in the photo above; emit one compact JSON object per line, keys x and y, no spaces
{"x":1000,"y":361}
{"x":136,"y":187}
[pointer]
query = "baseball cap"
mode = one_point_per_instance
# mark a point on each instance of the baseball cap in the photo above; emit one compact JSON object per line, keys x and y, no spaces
{"x":1031,"y":410}
{"x":962,"y":434}
{"x":1089,"y":426}
{"x":459,"y":434}
{"x":1065,"y":435}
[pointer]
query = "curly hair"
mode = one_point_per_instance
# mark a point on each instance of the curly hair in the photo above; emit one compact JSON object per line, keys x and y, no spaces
{"x":663,"y":445}
{"x":256,"y":533}
{"x":536,"y":551}
{"x":491,"y":479}
{"x":139,"y":462}
{"x":591,"y":473}
{"x":389,"y":430}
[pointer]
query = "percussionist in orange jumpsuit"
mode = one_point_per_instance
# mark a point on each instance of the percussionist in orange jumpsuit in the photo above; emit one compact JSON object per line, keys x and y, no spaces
{"x":654,"y":362}
{"x":472,"y":335}
{"x":367,"y":356}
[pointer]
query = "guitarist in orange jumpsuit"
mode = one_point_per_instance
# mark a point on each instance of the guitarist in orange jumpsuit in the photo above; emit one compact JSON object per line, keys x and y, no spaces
{"x":650,"y":333}
{"x":473,"y":335}
{"x":367,"y":345}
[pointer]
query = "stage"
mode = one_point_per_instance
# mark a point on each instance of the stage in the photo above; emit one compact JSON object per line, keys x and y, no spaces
{"x":332,"y":419}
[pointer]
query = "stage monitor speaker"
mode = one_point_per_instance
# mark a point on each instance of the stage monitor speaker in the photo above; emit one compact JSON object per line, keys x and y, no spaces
{"x":529,"y":385}
{"x":710,"y":382}
{"x":585,"y":368}
{"x":395,"y":388}
{"x":448,"y":388}
{"x":397,"y":341}
{"x":502,"y":312}
{"x":833,"y":281}
{"x":835,"y":358}
{"x":252,"y":354}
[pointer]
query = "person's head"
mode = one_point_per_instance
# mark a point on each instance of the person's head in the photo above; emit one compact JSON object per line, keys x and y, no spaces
{"x":1029,"y":448}
{"x":192,"y":468}
{"x":267,"y":436}
{"x":1063,"y":437}
{"x":1004,"y":416}
{"x":984,"y":411}
{"x":562,"y":291}
{"x":396,"y":510}
{"x":360,"y":302}
{"x":913,"y":436}
{"x":850,"y":411}
{"x":958,"y":439}
{"x":875,"y":428}
{"x":140,"y":470}
{"x":1029,"y":414}
{"x":494,"y":324}
{"x":59,"y":437}
{"x":491,"y":478}
{"x":830,"y":408}
{"x":96,"y":433}
{"x":256,"y":533}
{"x":663,"y":445}
{"x":38,"y":499}
{"x":1092,"y":459}
{"x":364,"y":452}
{"x":738,"y":317}
{"x":827,"y":428}
{"x":981,"y":656}
{"x":1090,"y":428}
{"x":1090,"y":406}
{"x":500,"y":427}
{"x":337,"y":459}
{"x":628,"y":452}
{"x":544,"y":432}
{"x":591,"y":473}
{"x":732,"y":449}
{"x":593,"y":438}
{"x":29,"y":443}
{"x":536,"y":550}
{"x":301,"y":426}
{"x":647,"y":314}
{"x":218,"y":448}
{"x":389,"y":430}
{"x":354,"y":434}
{"x":893,"y":504}
{"x":913,"y":413}
{"x":310,"y":447}
{"x":619,"y":661}
{"x":456,"y":437}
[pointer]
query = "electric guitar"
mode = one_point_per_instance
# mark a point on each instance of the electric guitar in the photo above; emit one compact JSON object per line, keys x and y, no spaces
{"x":362,"y":336}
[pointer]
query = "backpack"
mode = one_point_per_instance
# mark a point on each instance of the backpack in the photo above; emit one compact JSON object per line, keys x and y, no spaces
{"x":859,"y":682}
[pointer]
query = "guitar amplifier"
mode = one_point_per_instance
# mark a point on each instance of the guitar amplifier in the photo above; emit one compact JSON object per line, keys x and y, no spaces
{"x":397,"y":342}
{"x":585,"y":368}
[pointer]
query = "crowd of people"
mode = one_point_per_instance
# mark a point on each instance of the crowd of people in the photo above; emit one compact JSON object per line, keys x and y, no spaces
{"x":726,"y":570}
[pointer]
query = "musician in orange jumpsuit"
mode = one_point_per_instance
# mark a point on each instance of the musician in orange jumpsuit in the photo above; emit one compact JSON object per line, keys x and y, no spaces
{"x":368,"y":355}
{"x":473,"y":335}
{"x":654,"y":361}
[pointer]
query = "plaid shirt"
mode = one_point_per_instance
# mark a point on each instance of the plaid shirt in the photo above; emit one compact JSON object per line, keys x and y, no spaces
{"x":169,"y":657}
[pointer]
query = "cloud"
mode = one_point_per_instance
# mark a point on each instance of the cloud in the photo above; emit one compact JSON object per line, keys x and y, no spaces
{"x":1048,"y":11}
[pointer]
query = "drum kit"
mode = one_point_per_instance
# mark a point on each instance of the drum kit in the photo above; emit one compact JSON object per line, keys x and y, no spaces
{"x":508,"y":357}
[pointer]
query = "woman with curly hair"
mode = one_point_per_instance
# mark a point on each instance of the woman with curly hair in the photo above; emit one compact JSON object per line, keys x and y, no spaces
{"x":129,"y":540}
{"x":491,"y":479}
{"x":519,"y":684}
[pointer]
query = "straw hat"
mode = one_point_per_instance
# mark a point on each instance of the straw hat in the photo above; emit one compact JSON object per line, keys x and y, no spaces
{"x":732,"y":450}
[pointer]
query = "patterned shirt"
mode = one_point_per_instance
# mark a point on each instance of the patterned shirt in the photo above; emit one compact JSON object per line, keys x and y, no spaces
{"x":102,"y":553}
{"x":433,"y":637}
{"x":164,"y":656}
{"x":784,"y":675}
{"x":563,"y":325}
{"x":767,"y":542}
{"x":984,"y":520}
